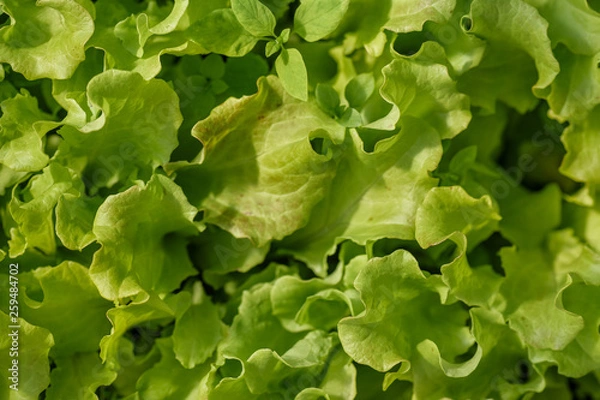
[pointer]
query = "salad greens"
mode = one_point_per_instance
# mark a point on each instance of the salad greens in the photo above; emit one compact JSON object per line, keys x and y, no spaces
{"x":300,"y":199}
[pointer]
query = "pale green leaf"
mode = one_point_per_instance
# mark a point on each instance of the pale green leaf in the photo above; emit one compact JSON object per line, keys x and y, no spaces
{"x":143,"y":233}
{"x":315,"y":19}
{"x":255,"y":17}
{"x":36,"y":46}
{"x":359,"y":89}
{"x":292,"y":73}
{"x":247,"y":161}
{"x":408,"y":16}
{"x":426,"y":91}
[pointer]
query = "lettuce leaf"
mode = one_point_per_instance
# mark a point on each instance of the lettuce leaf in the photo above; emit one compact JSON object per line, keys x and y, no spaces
{"x":309,"y":200}
{"x":35,"y":46}
{"x":126,"y":265}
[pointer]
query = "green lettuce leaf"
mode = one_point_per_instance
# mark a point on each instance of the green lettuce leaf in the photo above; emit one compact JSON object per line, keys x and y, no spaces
{"x":445,"y":40}
{"x":277,"y":362}
{"x":245,"y":337}
{"x":71,"y":93}
{"x":197,"y":331}
{"x":167,"y":379}
{"x":516,"y":25}
{"x":22,"y":129}
{"x":32,"y":209}
{"x":573,"y":256}
{"x":75,"y":220}
{"x":576,"y":89}
{"x":34,"y":343}
{"x":449,"y":213}
{"x":580,"y":139}
{"x":572,"y":23}
{"x":446,"y":210}
{"x":397,"y":295}
{"x":138,"y":29}
{"x":246,"y":156}
{"x":314,"y":304}
{"x":78,"y":377}
{"x":373,"y":195}
{"x":117,"y":351}
{"x":533,"y":300}
{"x":66,"y":288}
{"x":235,"y":41}
{"x":143,"y":233}
{"x":529,"y":217}
{"x":36,"y":46}
{"x":581,"y":356}
{"x":363,"y":25}
{"x":516,"y":204}
{"x":131,"y":135}
{"x":407,"y":16}
{"x":427,"y":92}
{"x":134,"y":36}
{"x":504,"y":74}
{"x":306,"y":354}
{"x":502,"y":371}
{"x":489,"y":145}
{"x":219,"y":253}
{"x":201,"y":84}
{"x":576,"y":263}
{"x":309,"y":200}
{"x":315,"y":19}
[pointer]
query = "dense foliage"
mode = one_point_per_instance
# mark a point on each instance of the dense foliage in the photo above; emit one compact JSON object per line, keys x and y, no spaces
{"x":300,"y":199}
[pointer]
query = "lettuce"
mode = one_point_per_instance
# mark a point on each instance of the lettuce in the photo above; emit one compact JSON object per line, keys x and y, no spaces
{"x":312,"y":199}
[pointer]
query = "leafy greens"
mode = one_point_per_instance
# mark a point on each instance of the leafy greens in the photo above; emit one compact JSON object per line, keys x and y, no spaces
{"x":300,"y":199}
